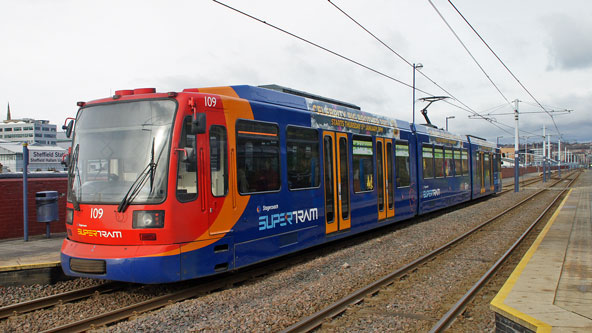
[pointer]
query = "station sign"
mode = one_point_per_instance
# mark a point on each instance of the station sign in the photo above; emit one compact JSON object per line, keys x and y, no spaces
{"x":45,"y":156}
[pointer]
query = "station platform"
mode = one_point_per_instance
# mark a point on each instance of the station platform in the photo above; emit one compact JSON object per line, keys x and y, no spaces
{"x":31,"y":262}
{"x":551,"y":288}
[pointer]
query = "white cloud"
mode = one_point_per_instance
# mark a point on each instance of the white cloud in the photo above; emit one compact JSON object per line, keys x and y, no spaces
{"x":60,"y":52}
{"x":569,"y":42}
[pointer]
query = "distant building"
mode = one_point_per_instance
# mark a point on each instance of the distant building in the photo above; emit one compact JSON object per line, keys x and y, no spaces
{"x":29,"y":131}
{"x":63,"y":141}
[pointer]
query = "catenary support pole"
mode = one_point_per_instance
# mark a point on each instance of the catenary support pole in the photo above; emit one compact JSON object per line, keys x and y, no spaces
{"x":25,"y":192}
{"x":549,"y":154}
{"x":559,"y":157}
{"x":516,"y":151}
{"x":544,"y":156}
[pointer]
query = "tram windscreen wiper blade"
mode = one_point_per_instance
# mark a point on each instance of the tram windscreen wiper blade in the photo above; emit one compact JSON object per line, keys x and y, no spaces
{"x":139,"y":182}
{"x":136,"y":187}
{"x":152,"y":169}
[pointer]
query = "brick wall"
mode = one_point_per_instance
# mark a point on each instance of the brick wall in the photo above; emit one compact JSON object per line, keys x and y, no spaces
{"x":11,"y":205}
{"x":509,"y":172}
{"x":505,"y":325}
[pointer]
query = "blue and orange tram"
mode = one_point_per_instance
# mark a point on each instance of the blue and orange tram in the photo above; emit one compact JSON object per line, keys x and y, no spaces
{"x":165,"y":187}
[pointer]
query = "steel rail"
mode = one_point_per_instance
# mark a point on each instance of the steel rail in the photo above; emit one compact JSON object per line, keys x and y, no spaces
{"x":157,"y":302}
{"x":510,"y":187}
{"x":136,"y":309}
{"x":126,"y":312}
{"x":45,"y":302}
{"x":460,"y":305}
{"x":313,"y":321}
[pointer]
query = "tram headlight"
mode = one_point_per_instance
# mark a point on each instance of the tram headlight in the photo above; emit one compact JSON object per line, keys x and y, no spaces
{"x":69,"y":216}
{"x":143,"y":219}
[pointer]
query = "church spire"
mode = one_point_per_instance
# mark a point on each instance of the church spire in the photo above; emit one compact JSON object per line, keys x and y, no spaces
{"x":8,"y":112}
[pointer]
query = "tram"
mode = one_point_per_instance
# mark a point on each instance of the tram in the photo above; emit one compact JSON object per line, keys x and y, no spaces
{"x":165,"y":187}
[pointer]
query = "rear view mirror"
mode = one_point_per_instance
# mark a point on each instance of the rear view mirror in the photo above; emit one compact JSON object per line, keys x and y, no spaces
{"x":198,"y":124}
{"x":68,"y":128}
{"x":66,"y":158}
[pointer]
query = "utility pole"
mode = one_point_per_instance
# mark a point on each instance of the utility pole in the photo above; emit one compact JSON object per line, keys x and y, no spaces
{"x":526,"y":151}
{"x":559,"y":156}
{"x":516,"y":151}
{"x":25,"y":191}
{"x":544,"y":157}
{"x":549,"y":154}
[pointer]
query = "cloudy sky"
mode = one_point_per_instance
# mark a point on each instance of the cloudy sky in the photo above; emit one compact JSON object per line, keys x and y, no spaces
{"x":55,"y":53}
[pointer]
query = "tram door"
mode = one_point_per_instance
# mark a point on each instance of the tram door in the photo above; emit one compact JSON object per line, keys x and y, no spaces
{"x":336,"y":164}
{"x":491,"y":167}
{"x":384,"y":178}
{"x":480,"y":172}
{"x":214,"y":172}
{"x":486,"y":171}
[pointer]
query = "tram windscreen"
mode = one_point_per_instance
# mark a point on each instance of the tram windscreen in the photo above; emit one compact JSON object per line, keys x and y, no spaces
{"x":114,"y":145}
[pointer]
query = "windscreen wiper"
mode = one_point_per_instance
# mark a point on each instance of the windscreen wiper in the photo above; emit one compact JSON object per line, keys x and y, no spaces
{"x":137,"y":185}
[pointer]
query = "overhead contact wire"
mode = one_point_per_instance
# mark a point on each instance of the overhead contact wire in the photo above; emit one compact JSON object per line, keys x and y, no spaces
{"x":318,"y":46}
{"x":469,"y":52}
{"x":503,"y":64}
{"x":468,"y":109}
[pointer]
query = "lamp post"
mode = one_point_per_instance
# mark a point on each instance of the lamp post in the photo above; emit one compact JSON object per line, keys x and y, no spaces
{"x":497,"y":140}
{"x":415,"y":67}
{"x":449,"y":117}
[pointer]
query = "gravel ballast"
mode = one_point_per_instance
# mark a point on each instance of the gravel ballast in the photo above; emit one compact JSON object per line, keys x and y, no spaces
{"x":281,"y":298}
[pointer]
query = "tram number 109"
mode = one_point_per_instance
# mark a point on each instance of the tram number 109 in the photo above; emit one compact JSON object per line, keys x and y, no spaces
{"x":210,"y":101}
{"x":96,"y":213}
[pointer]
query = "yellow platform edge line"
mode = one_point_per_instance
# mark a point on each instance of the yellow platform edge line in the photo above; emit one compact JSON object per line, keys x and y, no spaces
{"x":497,"y":304}
{"x":29,"y":266}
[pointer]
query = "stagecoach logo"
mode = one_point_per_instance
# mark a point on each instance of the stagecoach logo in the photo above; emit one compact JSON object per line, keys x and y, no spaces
{"x":267,"y":208}
{"x":431,"y":193}
{"x":99,"y":233}
{"x":279,"y":220}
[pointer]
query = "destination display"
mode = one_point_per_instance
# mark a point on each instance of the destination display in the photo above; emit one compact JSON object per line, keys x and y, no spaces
{"x":339,"y":118}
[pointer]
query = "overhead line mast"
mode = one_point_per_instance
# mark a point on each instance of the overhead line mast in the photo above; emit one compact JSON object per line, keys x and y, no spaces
{"x":506,"y":67}
{"x":468,"y":109}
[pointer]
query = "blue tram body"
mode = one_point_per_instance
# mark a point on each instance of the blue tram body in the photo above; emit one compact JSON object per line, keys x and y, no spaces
{"x":276,"y":171}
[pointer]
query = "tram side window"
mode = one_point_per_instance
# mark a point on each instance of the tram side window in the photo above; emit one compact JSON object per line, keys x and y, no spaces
{"x":478,"y":174}
{"x":427,"y":156}
{"x":439,"y":161}
{"x":258,"y":156}
{"x":402,"y":164}
{"x":302,"y":147}
{"x":218,"y":160}
{"x":457,"y":163}
{"x":187,"y":165}
{"x":448,"y":162}
{"x":465,"y":162}
{"x":498,"y":163}
{"x":363,"y":163}
{"x":486,"y":166}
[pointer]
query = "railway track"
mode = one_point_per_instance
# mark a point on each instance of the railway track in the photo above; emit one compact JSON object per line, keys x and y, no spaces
{"x":153,"y":303}
{"x":180,"y":292}
{"x":53,"y":300}
{"x":458,"y":307}
{"x":184,"y":290}
{"x":364,"y":294}
{"x":510,"y":187}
